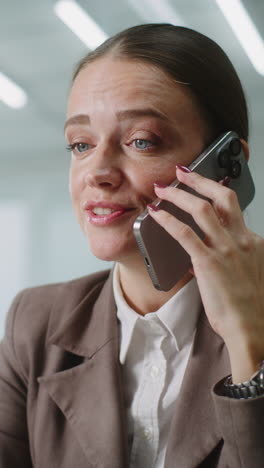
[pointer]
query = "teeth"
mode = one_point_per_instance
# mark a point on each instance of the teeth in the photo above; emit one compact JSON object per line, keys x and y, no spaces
{"x":102,"y":211}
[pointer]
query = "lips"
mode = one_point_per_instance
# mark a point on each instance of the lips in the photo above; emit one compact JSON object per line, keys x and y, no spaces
{"x":103,"y":213}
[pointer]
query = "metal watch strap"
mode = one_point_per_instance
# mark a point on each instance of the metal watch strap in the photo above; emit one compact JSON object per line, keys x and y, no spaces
{"x":245,"y":390}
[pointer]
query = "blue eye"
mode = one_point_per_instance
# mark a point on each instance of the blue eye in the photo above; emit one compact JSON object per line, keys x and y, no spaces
{"x":81,"y":147}
{"x":142,"y":144}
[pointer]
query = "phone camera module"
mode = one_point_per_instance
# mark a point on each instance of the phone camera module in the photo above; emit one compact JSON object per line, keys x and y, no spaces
{"x":235,"y":170}
{"x":235,"y":147}
{"x":224,"y":159}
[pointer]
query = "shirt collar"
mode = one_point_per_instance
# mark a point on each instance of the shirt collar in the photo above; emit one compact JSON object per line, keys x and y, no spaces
{"x":126,"y":315}
{"x":178,"y":315}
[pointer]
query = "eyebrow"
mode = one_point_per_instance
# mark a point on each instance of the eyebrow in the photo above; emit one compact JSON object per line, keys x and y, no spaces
{"x":84,"y":119}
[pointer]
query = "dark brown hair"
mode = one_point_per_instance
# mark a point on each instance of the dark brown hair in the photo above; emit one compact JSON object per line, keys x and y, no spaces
{"x":186,"y":56}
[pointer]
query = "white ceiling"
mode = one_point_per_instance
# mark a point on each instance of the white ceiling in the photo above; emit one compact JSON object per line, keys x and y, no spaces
{"x":39,"y":52}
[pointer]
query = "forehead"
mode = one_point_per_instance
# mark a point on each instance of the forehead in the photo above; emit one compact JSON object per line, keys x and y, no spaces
{"x":124,"y":82}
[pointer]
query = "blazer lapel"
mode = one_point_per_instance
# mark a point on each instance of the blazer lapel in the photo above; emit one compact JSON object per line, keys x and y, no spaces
{"x":93,"y":386}
{"x":194,"y":432}
{"x":90,"y":394}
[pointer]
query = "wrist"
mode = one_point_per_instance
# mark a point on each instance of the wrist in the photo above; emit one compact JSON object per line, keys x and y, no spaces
{"x":243,"y":368}
{"x":251,"y":388}
{"x":245,"y":358}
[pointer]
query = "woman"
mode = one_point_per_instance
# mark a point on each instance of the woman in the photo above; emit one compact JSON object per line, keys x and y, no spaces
{"x":107,"y":371}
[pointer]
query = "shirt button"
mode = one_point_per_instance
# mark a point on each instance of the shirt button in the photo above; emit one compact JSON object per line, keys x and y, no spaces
{"x":147,"y":433}
{"x":154,"y":371}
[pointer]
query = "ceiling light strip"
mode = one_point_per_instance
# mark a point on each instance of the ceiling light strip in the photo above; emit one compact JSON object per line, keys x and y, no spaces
{"x":245,"y":30}
{"x":80,"y":23}
{"x":11,"y":94}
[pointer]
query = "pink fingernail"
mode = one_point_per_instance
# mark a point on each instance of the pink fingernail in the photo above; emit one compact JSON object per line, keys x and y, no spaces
{"x":226,"y":181}
{"x":152,"y":207}
{"x":159,"y":185}
{"x":183,"y":168}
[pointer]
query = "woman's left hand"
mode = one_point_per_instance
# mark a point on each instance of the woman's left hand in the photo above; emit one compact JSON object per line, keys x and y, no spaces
{"x":228,"y":265}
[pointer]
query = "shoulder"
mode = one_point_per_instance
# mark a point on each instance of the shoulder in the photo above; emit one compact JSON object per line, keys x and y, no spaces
{"x":34,"y":310}
{"x":38,"y":301}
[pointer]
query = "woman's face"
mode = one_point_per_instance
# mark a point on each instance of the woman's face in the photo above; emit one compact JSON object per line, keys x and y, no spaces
{"x":128,"y":125}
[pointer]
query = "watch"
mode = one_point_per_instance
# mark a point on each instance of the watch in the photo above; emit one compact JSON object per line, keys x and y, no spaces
{"x":245,"y":390}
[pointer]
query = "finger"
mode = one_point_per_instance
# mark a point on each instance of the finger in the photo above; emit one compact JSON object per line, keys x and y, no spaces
{"x":191,"y":270}
{"x":201,"y":210}
{"x":224,"y":199}
{"x":183,"y":233}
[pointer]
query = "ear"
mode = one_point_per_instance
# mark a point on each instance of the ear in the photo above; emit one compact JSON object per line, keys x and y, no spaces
{"x":245,"y":148}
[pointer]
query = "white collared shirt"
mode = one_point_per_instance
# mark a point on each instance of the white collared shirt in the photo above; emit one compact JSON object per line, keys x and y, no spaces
{"x":154,"y":351}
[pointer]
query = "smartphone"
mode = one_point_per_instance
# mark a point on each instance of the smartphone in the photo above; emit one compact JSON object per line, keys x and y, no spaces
{"x":165,"y":259}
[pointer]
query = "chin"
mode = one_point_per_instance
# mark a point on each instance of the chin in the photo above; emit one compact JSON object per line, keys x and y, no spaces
{"x":114,"y":253}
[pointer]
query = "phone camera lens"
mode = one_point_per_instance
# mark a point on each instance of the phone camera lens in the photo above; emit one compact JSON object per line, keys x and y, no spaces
{"x":235,"y":146}
{"x":224,"y":159}
{"x":235,"y":169}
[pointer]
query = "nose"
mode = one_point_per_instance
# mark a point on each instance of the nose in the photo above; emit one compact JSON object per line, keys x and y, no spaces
{"x":108,"y":177}
{"x":104,"y":170}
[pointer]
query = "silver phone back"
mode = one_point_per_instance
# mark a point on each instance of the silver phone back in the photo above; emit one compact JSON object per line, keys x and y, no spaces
{"x":165,"y":259}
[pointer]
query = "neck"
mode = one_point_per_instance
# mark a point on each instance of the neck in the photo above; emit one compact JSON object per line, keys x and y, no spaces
{"x":138,"y":289}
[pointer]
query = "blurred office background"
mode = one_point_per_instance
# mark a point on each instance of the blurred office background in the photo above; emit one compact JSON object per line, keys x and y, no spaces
{"x":40,"y":240}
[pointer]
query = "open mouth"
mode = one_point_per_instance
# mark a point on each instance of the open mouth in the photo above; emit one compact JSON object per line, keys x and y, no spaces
{"x":103,"y":211}
{"x":99,"y":211}
{"x":102,"y":216}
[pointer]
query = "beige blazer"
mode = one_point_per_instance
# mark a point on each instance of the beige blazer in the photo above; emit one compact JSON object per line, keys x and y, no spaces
{"x":61,"y":397}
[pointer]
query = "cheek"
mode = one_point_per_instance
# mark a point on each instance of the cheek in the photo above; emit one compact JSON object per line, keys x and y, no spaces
{"x":75,"y":189}
{"x":164,"y":172}
{"x":72,"y":187}
{"x":75,"y":182}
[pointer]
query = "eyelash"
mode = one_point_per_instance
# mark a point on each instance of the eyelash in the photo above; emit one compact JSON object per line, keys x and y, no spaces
{"x":151,"y":144}
{"x":71,"y":147}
